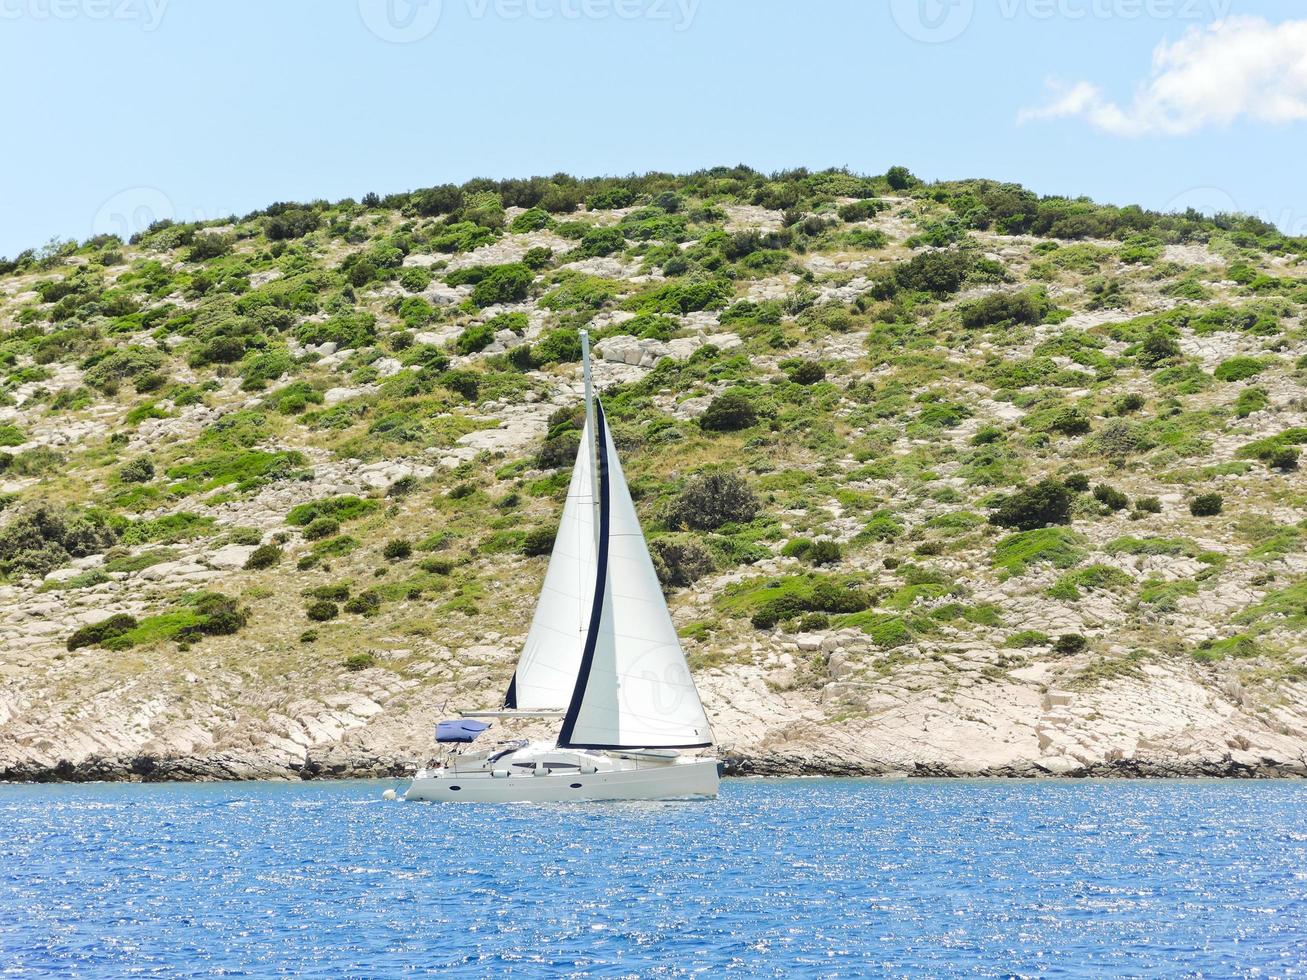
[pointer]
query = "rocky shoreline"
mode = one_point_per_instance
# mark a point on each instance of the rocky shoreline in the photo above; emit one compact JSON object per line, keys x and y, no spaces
{"x":244,"y":768}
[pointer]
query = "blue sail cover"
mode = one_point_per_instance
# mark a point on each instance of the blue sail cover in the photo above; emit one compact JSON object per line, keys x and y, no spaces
{"x":462,"y":731}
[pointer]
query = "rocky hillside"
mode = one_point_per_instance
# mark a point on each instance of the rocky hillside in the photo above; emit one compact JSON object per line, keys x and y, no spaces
{"x":941,"y":479}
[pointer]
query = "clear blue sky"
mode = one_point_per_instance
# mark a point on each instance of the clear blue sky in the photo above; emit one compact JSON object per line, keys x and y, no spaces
{"x":131,"y":108}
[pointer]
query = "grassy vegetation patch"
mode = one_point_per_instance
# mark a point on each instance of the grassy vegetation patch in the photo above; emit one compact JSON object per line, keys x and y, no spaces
{"x":768,"y":602}
{"x":1057,"y":546}
{"x":339,"y":509}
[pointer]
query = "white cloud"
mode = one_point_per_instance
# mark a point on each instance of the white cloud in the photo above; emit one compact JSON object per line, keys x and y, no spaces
{"x":1237,"y":68}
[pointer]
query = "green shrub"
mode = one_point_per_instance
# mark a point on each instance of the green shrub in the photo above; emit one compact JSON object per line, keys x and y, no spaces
{"x":139,"y":470}
{"x":322,"y":611}
{"x":729,"y":412}
{"x":196,"y":615}
{"x":321,"y":527}
{"x":1094,"y":577}
{"x":366,"y":603}
{"x":1141,"y":250}
{"x":794,"y":596}
{"x":38,"y":541}
{"x":599,"y":242}
{"x":533,"y":219}
{"x":1110,"y":497}
{"x":1239,"y":369}
{"x":98,"y":633}
{"x":1078,"y":482}
{"x":539,"y":541}
{"x":1046,"y":503}
{"x":359,"y":661}
{"x":807,"y":373}
{"x":861,"y":210}
{"x":797,"y":548}
{"x":823,"y":551}
{"x":900,"y":178}
{"x":483,"y":208}
{"x":1157,"y":350}
{"x":290,"y":223}
{"x":1028,"y":638}
{"x":1070,"y":644}
{"x":1250,"y":400}
{"x":259,"y":370}
{"x":104,"y":371}
{"x":397,"y":549}
{"x":942,"y":272}
{"x":1118,"y":439}
{"x":1069,"y":422}
{"x":475,"y":339}
{"x":11,"y":436}
{"x":265,"y":556}
{"x":504,"y":284}
{"x":1207,"y":505}
{"x":681,"y":560}
{"x":294,"y":399}
{"x":559,"y":451}
{"x":883,"y":526}
{"x":348,"y":331}
{"x":209,"y":246}
{"x":612,"y":199}
{"x":1005,"y":309}
{"x":330,"y":593}
{"x":1271,"y":448}
{"x":1148,"y":505}
{"x":683,"y":297}
{"x":37,"y":461}
{"x":1129,"y":403}
{"x":415,"y":279}
{"x":1283,"y":458}
{"x":713,"y":500}
{"x":343,"y":509}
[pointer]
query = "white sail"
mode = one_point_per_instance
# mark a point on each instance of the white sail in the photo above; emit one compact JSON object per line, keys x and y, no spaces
{"x":637,"y":691}
{"x":547,"y":671}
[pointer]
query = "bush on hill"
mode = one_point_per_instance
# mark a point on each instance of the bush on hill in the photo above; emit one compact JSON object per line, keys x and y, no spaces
{"x":712,"y":500}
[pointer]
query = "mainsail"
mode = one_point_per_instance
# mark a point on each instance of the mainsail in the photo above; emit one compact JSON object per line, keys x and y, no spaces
{"x":546,"y":674}
{"x":633,"y":688}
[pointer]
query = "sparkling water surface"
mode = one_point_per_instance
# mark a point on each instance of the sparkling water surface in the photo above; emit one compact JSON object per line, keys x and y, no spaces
{"x":785,"y":877}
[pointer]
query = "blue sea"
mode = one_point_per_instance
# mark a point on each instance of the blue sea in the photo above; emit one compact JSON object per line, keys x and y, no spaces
{"x":821,"y":878}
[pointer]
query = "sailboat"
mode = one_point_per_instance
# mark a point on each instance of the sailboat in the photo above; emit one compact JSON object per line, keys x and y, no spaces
{"x":602,"y":657}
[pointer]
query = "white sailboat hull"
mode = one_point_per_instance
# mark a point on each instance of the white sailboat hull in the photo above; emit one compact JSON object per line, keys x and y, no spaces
{"x":613,"y":778}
